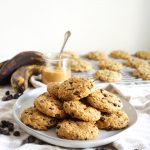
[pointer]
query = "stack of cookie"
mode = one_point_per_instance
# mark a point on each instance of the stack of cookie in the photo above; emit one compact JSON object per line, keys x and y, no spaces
{"x":77,"y":110}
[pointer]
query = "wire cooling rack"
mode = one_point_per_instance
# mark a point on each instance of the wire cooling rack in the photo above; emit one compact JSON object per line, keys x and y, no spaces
{"x":127,"y":78}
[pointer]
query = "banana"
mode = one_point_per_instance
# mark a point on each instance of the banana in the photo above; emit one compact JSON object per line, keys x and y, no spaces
{"x":21,"y":59}
{"x":20,"y":78}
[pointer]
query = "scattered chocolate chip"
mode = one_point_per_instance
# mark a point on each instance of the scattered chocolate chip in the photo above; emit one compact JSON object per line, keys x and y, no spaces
{"x":102,"y":118}
{"x":58,"y":127}
{"x":4,"y":98}
{"x":9,"y":97}
{"x":16,"y":133}
{"x":7,"y":93}
{"x":6,"y":123}
{"x":4,"y":131}
{"x":17,"y":95}
{"x":31,"y":139}
{"x":11,"y":128}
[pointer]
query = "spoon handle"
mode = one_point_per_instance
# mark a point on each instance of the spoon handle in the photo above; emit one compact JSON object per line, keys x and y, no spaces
{"x":67,"y":35}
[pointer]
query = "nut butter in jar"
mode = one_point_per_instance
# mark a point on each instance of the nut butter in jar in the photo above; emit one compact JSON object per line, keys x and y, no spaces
{"x":57,"y":69}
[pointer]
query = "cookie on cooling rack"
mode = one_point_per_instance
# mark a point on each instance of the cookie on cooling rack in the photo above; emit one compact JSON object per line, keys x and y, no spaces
{"x":75,"y":88}
{"x":96,"y":55}
{"x":104,"y":101}
{"x":135,"y":62}
{"x":49,"y":105}
{"x":142,"y":72}
{"x":77,"y":130}
{"x":70,"y":54}
{"x":81,"y":111}
{"x":143,"y":55}
{"x":119,"y":54}
{"x":116,"y":120}
{"x":80,"y":65}
{"x":107,"y":75}
{"x":37,"y":120}
{"x":110,"y":65}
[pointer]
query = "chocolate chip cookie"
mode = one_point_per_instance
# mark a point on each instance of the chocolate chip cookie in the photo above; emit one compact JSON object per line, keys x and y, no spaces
{"x":96,"y":55}
{"x":77,"y":130}
{"x":49,"y":105}
{"x":107,"y":75}
{"x":75,"y":88}
{"x":143,"y":55}
{"x":52,"y":88}
{"x":119,"y":54}
{"x":37,"y":120}
{"x":81,"y":111}
{"x":116,"y":120}
{"x":110,"y":65}
{"x":105,"y":101}
{"x":80,"y":65}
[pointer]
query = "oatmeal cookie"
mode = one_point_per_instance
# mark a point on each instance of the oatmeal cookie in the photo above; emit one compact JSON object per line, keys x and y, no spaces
{"x":142,"y":72}
{"x":75,"y":88}
{"x":105,"y":101}
{"x":96,"y":55}
{"x":37,"y":120}
{"x":110,"y":65}
{"x":107,"y":75}
{"x":80,"y":65}
{"x":116,"y":120}
{"x":143,"y":55}
{"x":119,"y":54}
{"x":52,"y":88}
{"x":136,"y":62}
{"x":81,"y":111}
{"x":49,"y":105}
{"x":77,"y":130}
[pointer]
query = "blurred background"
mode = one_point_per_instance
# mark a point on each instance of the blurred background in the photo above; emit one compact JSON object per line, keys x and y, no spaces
{"x":95,"y":25}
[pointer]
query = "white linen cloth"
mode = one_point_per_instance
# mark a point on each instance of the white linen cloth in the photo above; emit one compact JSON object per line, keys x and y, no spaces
{"x":138,"y":138}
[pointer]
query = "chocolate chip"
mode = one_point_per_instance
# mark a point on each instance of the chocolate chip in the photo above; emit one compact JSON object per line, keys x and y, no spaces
{"x":4,"y":131}
{"x":105,"y":95}
{"x":16,"y":133}
{"x":31,"y":139}
{"x":4,"y":98}
{"x":102,"y":119}
{"x":11,"y":128}
{"x":17,"y":95}
{"x":6,"y":123}
{"x":115,"y":105}
{"x":7,"y":93}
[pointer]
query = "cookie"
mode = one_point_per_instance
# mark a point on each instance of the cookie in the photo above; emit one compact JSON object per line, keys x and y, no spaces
{"x":49,"y":105}
{"x":104,"y":101}
{"x":143,"y":55}
{"x":37,"y":120}
{"x":96,"y":55}
{"x":70,"y":54}
{"x":81,"y":111}
{"x":110,"y":65}
{"x":107,"y":75}
{"x":136,"y":63}
{"x":52,"y":88}
{"x":119,"y":54}
{"x":75,"y":88}
{"x":77,"y":130}
{"x":116,"y":120}
{"x":142,"y":72}
{"x":80,"y":65}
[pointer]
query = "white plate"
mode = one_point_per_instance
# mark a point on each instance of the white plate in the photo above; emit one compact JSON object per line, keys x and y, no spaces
{"x":104,"y":137}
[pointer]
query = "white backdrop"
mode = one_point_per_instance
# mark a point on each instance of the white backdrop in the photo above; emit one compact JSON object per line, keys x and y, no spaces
{"x":95,"y":25}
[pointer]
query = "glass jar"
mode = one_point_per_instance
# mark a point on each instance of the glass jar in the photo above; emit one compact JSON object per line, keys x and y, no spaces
{"x":57,"y":68}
